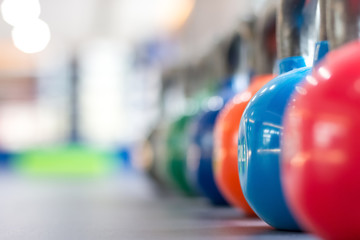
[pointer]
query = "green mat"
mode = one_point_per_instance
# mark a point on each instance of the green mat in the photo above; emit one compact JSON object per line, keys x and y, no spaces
{"x":65,"y":161}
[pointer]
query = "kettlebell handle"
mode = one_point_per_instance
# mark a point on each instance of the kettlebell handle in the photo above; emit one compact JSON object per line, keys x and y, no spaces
{"x":343,"y":21}
{"x":265,"y":39}
{"x":288,"y":26}
{"x":323,"y":36}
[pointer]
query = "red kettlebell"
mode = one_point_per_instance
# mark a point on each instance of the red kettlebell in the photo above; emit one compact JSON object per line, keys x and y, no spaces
{"x":321,"y":143}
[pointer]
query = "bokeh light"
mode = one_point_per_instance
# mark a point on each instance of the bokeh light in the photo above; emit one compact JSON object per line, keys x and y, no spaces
{"x":32,"y":36}
{"x":17,"y":12}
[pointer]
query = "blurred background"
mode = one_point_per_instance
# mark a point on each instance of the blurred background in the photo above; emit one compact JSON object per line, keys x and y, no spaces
{"x":96,"y":70}
{"x":88,"y":89}
{"x":105,"y":74}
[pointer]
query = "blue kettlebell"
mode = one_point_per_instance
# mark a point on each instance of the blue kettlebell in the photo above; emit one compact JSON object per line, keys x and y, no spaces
{"x":6,"y":158}
{"x":200,"y":153}
{"x":261,"y":124}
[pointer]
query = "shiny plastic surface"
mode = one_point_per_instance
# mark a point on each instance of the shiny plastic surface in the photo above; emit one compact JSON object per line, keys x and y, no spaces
{"x":321,"y":147}
{"x":177,"y":144}
{"x":200,"y":152}
{"x":259,"y":149}
{"x":321,"y":49}
{"x":287,"y":64}
{"x":225,"y":145}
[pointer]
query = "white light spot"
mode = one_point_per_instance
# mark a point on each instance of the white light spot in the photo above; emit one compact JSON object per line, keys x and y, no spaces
{"x":17,"y":12}
{"x":300,"y":90}
{"x":32,"y":36}
{"x":310,"y":79}
{"x":244,"y":97}
{"x":324,"y":73}
{"x":215,"y":103}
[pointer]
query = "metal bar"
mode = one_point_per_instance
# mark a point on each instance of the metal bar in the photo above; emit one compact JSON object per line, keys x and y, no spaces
{"x":289,"y":20}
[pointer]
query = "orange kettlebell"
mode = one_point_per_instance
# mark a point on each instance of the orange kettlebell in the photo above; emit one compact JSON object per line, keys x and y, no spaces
{"x":227,"y":124}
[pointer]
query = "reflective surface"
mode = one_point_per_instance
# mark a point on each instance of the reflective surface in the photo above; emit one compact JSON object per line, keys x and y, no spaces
{"x":200,"y":152}
{"x":259,"y":149}
{"x":225,"y":145}
{"x":119,"y":207}
{"x":177,"y":144}
{"x":321,"y":147}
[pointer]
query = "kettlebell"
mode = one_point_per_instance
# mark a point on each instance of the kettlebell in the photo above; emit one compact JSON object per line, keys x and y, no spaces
{"x":321,"y":131}
{"x":262,"y":123}
{"x":200,"y":152}
{"x":227,"y":124}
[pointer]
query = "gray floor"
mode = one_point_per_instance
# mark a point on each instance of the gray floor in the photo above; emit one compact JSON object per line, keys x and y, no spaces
{"x":121,"y":207}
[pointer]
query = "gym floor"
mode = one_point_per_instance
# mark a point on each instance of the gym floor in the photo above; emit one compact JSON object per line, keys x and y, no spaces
{"x":121,"y":207}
